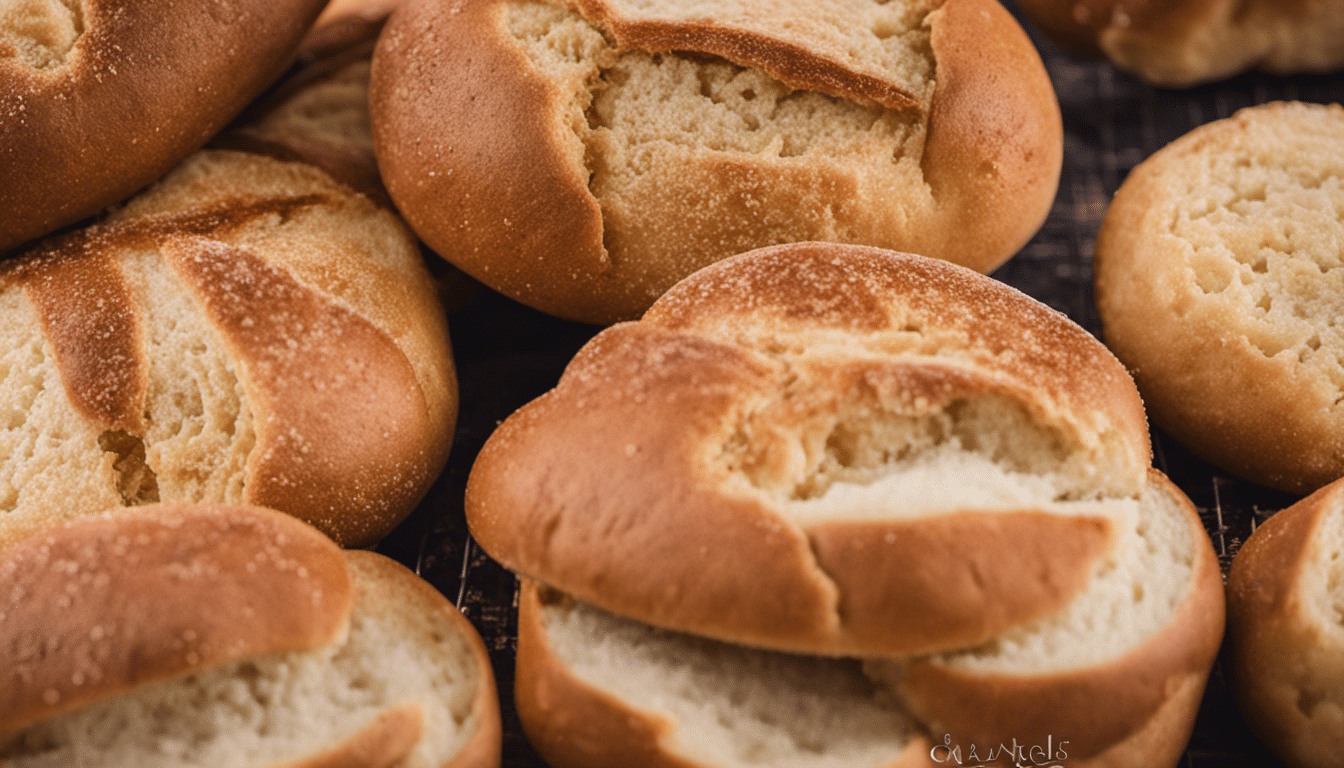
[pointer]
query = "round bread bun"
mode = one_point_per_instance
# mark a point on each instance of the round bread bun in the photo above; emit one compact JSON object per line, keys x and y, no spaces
{"x":247,"y":330}
{"x":1285,"y":642}
{"x":203,"y":636}
{"x":581,"y":157}
{"x":827,"y":449}
{"x":1186,"y":42}
{"x":99,"y":98}
{"x":1217,"y":284}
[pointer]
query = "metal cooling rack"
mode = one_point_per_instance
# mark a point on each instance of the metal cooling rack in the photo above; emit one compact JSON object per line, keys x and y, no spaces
{"x":508,"y":354}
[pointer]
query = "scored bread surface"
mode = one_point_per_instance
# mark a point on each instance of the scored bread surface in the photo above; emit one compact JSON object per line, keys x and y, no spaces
{"x":247,"y":330}
{"x":100,"y":98}
{"x":750,"y":431}
{"x":1218,"y":282}
{"x":649,"y":142}
{"x":407,"y":685}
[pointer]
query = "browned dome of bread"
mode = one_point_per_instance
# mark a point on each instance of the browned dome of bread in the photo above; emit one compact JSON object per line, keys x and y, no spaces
{"x":1184,"y":42}
{"x":247,"y":330}
{"x":584,"y":156}
{"x":116,"y":602}
{"x":780,"y":419}
{"x":100,"y":98}
{"x":1285,"y":596}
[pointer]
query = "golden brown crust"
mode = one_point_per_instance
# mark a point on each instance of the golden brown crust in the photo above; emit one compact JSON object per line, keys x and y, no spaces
{"x":112,"y":603}
{"x":531,"y":219}
{"x":144,"y":85}
{"x":574,"y":725}
{"x":1094,"y":707}
{"x":1286,"y":658}
{"x":619,"y":486}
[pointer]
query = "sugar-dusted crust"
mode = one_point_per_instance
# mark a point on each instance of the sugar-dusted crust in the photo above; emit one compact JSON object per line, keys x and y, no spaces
{"x":98,"y":100}
{"x":120,"y":601}
{"x":1192,"y":41}
{"x":688,"y":469}
{"x":1286,"y":648}
{"x":247,"y":330}
{"x":1217,"y":277}
{"x":577,"y":215}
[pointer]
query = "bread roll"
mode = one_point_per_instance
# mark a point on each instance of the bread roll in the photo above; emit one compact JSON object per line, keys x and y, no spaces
{"x":100,"y":98}
{"x":1285,"y":642}
{"x":898,"y":454}
{"x":222,"y":637}
{"x":583,"y":156}
{"x":247,"y":330}
{"x":1217,"y":284}
{"x":1113,"y":679}
{"x":1185,"y":42}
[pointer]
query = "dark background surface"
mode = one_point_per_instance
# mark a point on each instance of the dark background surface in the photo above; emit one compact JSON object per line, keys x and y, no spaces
{"x":508,"y":354}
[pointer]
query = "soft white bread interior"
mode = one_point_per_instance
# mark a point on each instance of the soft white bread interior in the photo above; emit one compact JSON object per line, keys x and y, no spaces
{"x":406,"y":682}
{"x":1285,"y":597}
{"x":783,"y":418}
{"x":598,"y":690}
{"x":650,"y":140}
{"x":1144,"y":631}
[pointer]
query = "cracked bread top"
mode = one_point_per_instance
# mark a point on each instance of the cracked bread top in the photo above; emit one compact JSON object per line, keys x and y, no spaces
{"x":247,"y":330}
{"x":98,"y":99}
{"x":1218,"y":282}
{"x":646,"y":141}
{"x":805,"y":447}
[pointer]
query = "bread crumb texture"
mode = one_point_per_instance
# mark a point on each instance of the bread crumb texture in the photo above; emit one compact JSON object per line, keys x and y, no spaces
{"x":401,"y":658}
{"x":40,"y":33}
{"x":636,"y":116}
{"x":731,"y":705}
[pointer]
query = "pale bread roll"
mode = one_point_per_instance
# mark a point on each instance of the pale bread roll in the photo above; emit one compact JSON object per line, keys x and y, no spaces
{"x":1218,"y":284}
{"x":1185,"y":42}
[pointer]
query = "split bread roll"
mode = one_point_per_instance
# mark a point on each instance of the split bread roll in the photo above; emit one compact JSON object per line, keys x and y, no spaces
{"x":1217,"y":284}
{"x":1113,"y":679}
{"x":898,"y":454}
{"x":100,"y":98}
{"x":226,"y":637}
{"x":1286,"y":645}
{"x":246,"y":330}
{"x":583,"y":156}
{"x":1185,"y":42}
